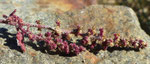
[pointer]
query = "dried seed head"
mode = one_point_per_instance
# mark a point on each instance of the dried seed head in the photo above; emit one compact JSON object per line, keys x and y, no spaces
{"x":135,"y":43}
{"x":70,"y":36}
{"x":110,"y":42}
{"x":94,"y":30}
{"x":31,"y":37}
{"x":58,"y":31}
{"x":66,"y":36}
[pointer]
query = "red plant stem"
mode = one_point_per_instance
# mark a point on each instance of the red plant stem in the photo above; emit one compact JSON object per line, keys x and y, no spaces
{"x":28,"y":24}
{"x":29,"y":32}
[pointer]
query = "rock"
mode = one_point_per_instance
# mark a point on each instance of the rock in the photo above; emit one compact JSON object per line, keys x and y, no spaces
{"x":63,"y":5}
{"x":46,"y":5}
{"x":114,"y":19}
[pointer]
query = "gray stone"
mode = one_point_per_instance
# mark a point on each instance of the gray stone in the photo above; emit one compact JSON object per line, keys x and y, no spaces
{"x":114,"y":19}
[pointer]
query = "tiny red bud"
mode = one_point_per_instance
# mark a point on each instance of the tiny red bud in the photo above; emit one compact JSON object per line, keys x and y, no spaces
{"x":58,"y":23}
{"x":38,"y":21}
{"x":90,"y":32}
{"x":47,"y":34}
{"x":13,"y":13}
{"x":101,"y":30}
{"x":5,"y":16}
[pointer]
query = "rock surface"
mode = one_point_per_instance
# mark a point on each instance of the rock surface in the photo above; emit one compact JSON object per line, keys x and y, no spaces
{"x":114,"y":19}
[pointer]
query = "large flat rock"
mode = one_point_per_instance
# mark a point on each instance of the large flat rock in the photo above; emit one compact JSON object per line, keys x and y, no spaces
{"x":114,"y":19}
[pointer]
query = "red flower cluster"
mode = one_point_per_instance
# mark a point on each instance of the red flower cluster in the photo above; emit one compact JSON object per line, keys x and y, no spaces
{"x":68,"y":42}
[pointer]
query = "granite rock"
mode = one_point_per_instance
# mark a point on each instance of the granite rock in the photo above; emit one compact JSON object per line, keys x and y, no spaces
{"x":114,"y":19}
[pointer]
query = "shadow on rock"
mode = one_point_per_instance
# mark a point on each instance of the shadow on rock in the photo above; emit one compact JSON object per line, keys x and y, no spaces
{"x":11,"y":41}
{"x":111,"y":49}
{"x":40,"y":46}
